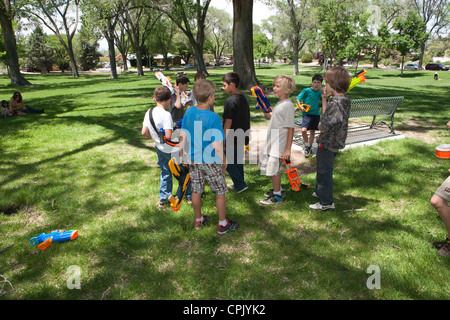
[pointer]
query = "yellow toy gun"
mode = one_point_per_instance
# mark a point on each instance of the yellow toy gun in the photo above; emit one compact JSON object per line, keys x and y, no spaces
{"x":262,"y":101}
{"x":294,"y":178}
{"x":307,"y":107}
{"x":165,"y":81}
{"x":181,"y":173}
{"x":359,"y":77}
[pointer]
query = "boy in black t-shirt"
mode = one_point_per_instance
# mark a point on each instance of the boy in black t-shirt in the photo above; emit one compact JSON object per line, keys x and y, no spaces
{"x":236,"y":126}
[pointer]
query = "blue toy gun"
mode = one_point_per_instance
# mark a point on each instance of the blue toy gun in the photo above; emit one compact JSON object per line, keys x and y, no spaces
{"x":261,"y":98}
{"x":45,"y":240}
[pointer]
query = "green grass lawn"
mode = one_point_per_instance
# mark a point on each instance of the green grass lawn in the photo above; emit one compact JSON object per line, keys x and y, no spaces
{"x":84,"y":165}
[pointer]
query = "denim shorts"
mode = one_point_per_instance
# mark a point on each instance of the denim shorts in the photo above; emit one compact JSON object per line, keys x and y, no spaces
{"x":310,"y":122}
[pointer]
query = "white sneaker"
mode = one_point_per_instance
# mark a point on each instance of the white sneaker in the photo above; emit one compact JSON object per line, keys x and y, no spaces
{"x":314,"y":194}
{"x":318,"y":206}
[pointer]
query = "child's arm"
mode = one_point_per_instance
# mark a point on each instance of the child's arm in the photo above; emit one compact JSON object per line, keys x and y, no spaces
{"x":182,"y":140}
{"x":218,"y":148}
{"x":287,"y":150}
{"x":226,"y":127}
{"x":177,"y":103}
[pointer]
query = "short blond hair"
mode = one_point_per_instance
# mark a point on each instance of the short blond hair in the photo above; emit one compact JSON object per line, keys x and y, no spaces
{"x":203,"y":89}
{"x":287,"y":83}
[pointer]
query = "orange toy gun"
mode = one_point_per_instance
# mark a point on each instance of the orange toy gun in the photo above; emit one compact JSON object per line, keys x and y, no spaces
{"x":294,"y":178}
{"x":359,"y":77}
{"x":262,"y":101}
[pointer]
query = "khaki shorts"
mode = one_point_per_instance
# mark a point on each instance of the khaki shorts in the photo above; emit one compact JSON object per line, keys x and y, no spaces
{"x":211,"y":173}
{"x":270,"y":166}
{"x":444,"y":190}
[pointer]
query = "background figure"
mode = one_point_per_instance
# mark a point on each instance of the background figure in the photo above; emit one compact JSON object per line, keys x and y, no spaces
{"x":17,"y":106}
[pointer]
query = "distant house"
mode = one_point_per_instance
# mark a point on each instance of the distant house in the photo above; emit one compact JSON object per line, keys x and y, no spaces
{"x":173,"y":60}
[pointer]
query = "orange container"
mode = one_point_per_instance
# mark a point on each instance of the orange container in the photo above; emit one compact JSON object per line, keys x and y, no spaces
{"x":443,"y":151}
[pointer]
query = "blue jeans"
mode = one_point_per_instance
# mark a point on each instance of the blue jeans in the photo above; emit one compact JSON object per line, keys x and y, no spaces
{"x":324,"y":177}
{"x":235,"y":168}
{"x":166,"y":183}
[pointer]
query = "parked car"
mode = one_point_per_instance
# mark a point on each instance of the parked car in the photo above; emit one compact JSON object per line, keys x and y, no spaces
{"x":28,"y":69}
{"x":229,"y":63}
{"x":411,"y":66}
{"x":188,"y":66}
{"x":436,"y":66}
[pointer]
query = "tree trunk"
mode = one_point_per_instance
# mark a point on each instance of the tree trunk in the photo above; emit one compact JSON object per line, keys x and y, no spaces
{"x":73,"y":62}
{"x":422,"y":52}
{"x":140,"y":68}
{"x":376,"y":57}
{"x":112,"y":56}
{"x":243,"y":43}
{"x":11,"y":47}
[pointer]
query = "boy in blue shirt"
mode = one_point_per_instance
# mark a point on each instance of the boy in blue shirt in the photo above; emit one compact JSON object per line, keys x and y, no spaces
{"x":202,"y":139}
{"x":310,"y":122}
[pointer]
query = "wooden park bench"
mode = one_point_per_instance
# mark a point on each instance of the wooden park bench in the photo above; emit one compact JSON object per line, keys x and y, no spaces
{"x":372,"y":107}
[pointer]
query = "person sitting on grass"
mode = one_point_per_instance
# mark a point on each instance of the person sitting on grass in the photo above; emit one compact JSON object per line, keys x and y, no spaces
{"x":17,"y":106}
{"x":5,"y":109}
{"x":202,"y":139}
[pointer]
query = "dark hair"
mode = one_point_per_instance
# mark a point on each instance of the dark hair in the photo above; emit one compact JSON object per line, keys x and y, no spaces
{"x":182,"y":79}
{"x":203,"y":89}
{"x":338,"y":79}
{"x":162,"y":94}
{"x":17,"y":94}
{"x":317,"y":77}
{"x":231,"y":77}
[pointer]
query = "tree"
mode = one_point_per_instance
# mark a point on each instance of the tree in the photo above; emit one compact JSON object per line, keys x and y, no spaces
{"x":243,"y":58}
{"x":40,"y":54}
{"x":9,"y":38}
{"x":409,"y":34}
{"x":218,"y":26}
{"x":435,"y":15}
{"x":61,"y":17}
{"x":262,"y":47}
{"x":296,"y":16}
{"x":190,"y":17}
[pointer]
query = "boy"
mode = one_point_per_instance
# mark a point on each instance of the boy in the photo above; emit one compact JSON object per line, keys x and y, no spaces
{"x":161,"y":119}
{"x":333,"y":133}
{"x":202,"y":134}
{"x":310,"y":122}
{"x":179,"y":99}
{"x":279,"y":137}
{"x":236,"y":116}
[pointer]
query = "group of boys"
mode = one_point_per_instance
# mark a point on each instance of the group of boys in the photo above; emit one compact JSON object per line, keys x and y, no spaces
{"x":204,"y":145}
{"x":209,"y":151}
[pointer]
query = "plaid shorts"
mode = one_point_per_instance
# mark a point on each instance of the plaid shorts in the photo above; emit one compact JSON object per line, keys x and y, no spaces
{"x":211,"y":172}
{"x":444,"y":190}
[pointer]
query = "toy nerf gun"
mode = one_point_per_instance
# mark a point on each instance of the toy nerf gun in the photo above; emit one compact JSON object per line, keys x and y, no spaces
{"x":45,"y":240}
{"x":261,"y":98}
{"x":294,"y":178}
{"x":165,"y":81}
{"x":359,"y":77}
{"x":163,"y":139}
{"x":307,"y":107}
{"x":181,"y":173}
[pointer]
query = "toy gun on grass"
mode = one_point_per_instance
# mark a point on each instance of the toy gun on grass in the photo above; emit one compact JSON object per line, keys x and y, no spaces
{"x":294,"y":178}
{"x":45,"y":240}
{"x":359,"y":77}
{"x":181,"y":173}
{"x":262,"y":102}
{"x":165,"y":81}
{"x":307,"y":107}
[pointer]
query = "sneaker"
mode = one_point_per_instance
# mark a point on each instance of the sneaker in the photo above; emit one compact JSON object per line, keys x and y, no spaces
{"x":445,"y":249}
{"x":274,"y":199}
{"x":307,"y":151}
{"x":318,"y":206}
{"x":269,"y":194}
{"x":231,"y":226}
{"x":242,"y":190}
{"x":201,"y":224}
{"x":314,"y":194}
{"x":189,"y":200}
{"x":438,"y":244}
{"x":162,"y":204}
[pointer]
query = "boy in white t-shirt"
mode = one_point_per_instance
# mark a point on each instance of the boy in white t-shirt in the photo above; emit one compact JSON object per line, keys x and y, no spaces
{"x":162,"y":119}
{"x":279,"y":137}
